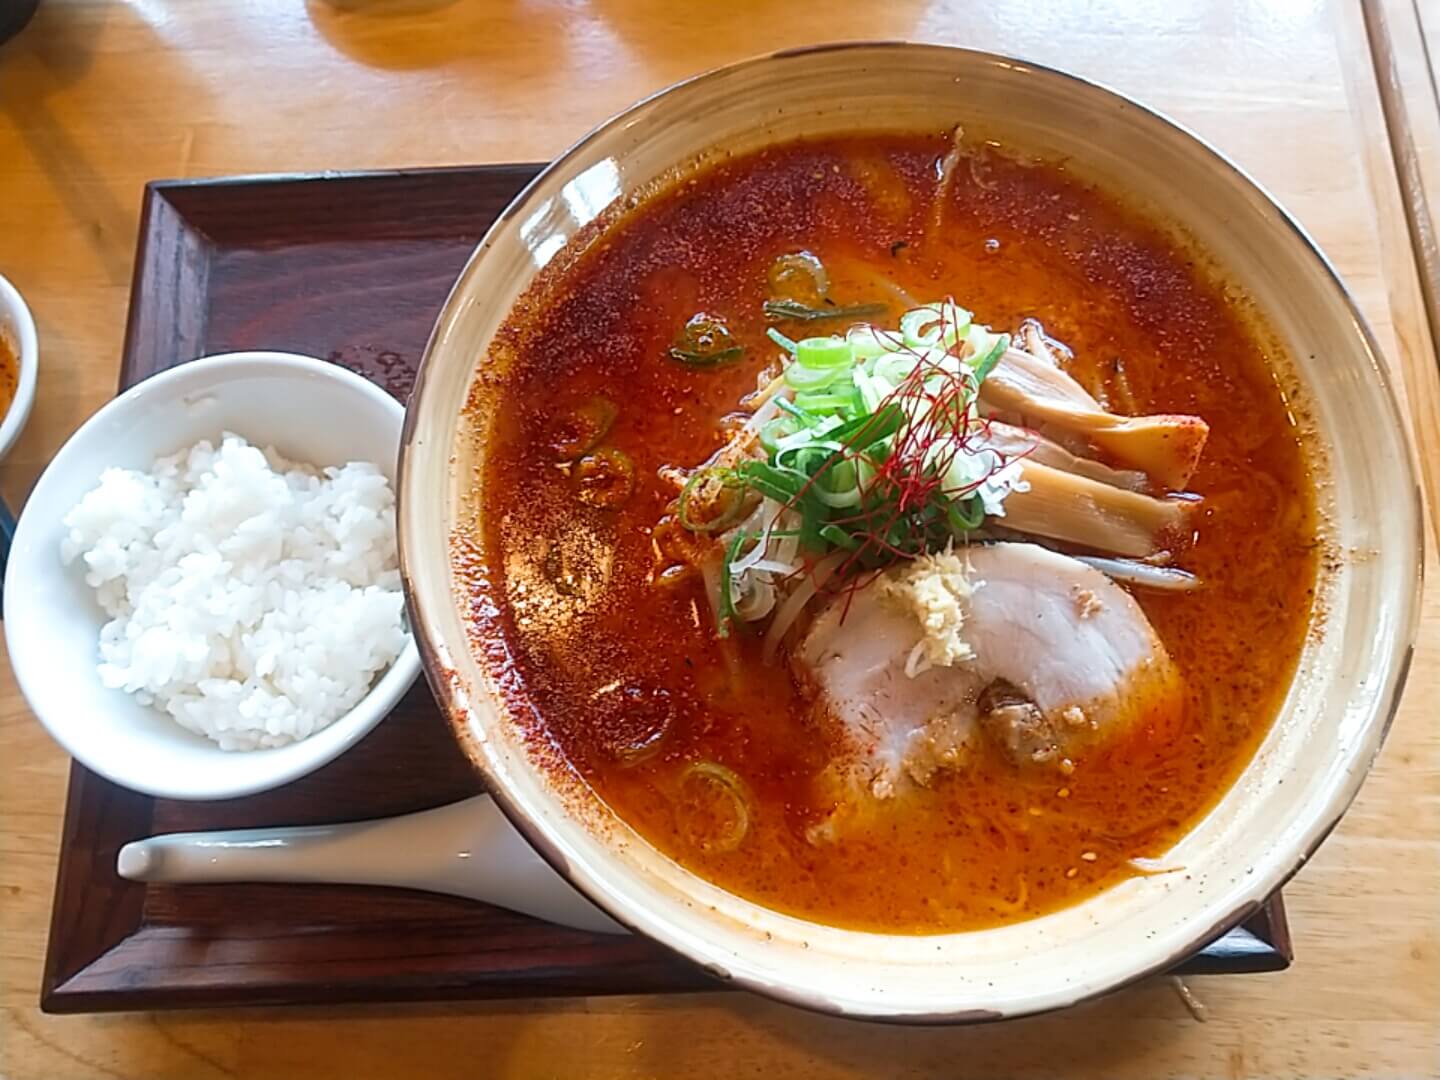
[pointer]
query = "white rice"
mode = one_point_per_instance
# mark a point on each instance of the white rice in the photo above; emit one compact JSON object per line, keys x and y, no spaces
{"x":253,"y":599}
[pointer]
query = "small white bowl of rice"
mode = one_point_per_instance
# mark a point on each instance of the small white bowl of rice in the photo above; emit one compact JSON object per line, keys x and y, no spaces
{"x":203,"y":598}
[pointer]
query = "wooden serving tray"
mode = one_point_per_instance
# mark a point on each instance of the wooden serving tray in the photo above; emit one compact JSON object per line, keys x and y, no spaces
{"x":353,"y":268}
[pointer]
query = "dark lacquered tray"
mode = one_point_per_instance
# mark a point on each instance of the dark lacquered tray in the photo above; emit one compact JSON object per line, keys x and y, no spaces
{"x":351,"y":267}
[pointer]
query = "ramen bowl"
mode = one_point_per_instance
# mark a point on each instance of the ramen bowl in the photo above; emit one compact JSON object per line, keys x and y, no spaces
{"x":1339,"y":702}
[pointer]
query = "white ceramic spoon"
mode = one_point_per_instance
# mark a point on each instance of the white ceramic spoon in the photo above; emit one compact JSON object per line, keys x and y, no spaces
{"x":465,"y":849}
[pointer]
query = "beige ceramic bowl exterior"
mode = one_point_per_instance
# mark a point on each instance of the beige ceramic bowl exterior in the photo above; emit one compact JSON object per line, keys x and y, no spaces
{"x":17,"y":329}
{"x":1334,"y":718}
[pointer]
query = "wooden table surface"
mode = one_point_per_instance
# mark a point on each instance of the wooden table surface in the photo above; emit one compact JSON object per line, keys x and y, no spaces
{"x":98,"y":97}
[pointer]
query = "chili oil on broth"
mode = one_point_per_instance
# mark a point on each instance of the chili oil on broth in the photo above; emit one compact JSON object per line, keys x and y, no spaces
{"x":623,"y":677}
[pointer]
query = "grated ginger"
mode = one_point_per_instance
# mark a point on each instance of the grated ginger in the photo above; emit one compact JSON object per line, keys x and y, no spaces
{"x":933,"y":588}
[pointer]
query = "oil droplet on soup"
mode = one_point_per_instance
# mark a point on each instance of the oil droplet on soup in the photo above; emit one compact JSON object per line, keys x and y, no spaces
{"x":715,"y":755}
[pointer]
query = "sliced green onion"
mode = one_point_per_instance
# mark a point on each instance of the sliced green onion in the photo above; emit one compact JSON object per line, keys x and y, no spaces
{"x":791,"y":488}
{"x":943,"y":325}
{"x":814,"y":430}
{"x":696,"y":359}
{"x":965,"y":514}
{"x":989,"y":360}
{"x":835,"y":486}
{"x":802,"y":312}
{"x":726,"y":610}
{"x":873,"y":390}
{"x":830,"y":400}
{"x":778,"y":482}
{"x":705,"y":342}
{"x":893,"y":367}
{"x":864,"y":472}
{"x":840,"y":475}
{"x":963,"y":473}
{"x":921,"y":328}
{"x":827,"y":450}
{"x":799,"y":412}
{"x":580,"y":430}
{"x":957,"y":320}
{"x":604,"y":479}
{"x":772,"y":431}
{"x":706,"y":783}
{"x":697,"y":486}
{"x":824,"y":353}
{"x":980,"y":340}
{"x":870,"y":341}
{"x":811,"y":520}
{"x":865,"y":431}
{"x":799,"y":276}
{"x":803,"y":377}
{"x":839,"y":537}
{"x":806,"y":458}
{"x":781,"y":340}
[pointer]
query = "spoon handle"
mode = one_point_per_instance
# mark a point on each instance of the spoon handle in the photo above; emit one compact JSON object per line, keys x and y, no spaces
{"x":465,"y":849}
